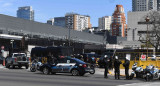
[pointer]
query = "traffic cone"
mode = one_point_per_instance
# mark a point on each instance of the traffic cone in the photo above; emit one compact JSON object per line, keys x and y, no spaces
{"x":3,"y":62}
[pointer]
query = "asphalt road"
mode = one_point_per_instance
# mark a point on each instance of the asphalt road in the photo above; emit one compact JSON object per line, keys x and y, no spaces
{"x":23,"y":77}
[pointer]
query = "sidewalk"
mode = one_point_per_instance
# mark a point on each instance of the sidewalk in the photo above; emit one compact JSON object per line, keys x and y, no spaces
{"x":111,"y":72}
{"x":1,"y":66}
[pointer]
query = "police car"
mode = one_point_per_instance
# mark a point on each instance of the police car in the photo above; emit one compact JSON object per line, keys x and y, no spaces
{"x":67,"y":65}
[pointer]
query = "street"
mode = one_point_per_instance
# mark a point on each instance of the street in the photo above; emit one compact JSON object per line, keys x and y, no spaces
{"x":23,"y":77}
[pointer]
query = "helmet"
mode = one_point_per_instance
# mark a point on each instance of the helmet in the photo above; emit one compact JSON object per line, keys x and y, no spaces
{"x":116,"y":57}
{"x":105,"y":56}
{"x":127,"y":58}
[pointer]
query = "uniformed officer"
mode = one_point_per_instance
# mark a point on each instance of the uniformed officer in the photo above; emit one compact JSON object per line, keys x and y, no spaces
{"x":106,"y":62}
{"x":126,"y":65}
{"x":117,"y":63}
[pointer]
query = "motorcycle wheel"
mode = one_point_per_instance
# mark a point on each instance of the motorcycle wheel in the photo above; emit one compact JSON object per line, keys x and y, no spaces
{"x":131,"y":76}
{"x":32,"y":69}
{"x":147,"y":78}
{"x":92,"y":71}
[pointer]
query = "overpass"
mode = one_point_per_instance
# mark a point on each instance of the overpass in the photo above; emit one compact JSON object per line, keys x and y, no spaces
{"x":42,"y":34}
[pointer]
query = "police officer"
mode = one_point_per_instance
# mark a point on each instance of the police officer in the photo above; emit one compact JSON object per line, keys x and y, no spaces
{"x":106,"y":63}
{"x":117,"y":63}
{"x":126,"y":65}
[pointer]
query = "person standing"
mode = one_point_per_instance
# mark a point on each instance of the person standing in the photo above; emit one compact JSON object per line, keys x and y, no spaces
{"x":117,"y":63}
{"x":106,"y":62}
{"x":126,"y":65}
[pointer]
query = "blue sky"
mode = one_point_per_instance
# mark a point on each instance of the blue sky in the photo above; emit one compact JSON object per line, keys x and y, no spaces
{"x":46,"y":9}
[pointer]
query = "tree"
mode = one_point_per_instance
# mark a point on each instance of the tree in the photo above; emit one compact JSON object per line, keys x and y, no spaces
{"x":153,"y":31}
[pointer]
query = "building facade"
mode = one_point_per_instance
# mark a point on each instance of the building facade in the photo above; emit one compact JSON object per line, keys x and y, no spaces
{"x":105,"y":23}
{"x":77,"y":22}
{"x":57,"y":21}
{"x":51,"y":21}
{"x":145,"y":5}
{"x":26,"y":13}
{"x":119,"y":26}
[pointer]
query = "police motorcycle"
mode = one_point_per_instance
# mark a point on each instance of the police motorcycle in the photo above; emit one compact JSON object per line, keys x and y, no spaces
{"x":134,"y":66}
{"x":139,"y":72}
{"x":151,"y":72}
{"x":35,"y":65}
{"x":92,"y":65}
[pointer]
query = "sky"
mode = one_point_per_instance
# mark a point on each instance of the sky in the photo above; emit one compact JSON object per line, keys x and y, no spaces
{"x":46,"y":9}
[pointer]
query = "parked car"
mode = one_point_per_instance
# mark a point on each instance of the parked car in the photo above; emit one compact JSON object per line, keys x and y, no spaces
{"x":17,"y":59}
{"x":67,"y":65}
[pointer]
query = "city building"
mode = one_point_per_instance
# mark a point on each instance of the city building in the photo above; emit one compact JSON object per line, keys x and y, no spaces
{"x":51,"y":21}
{"x":77,"y":22}
{"x":119,"y":26}
{"x":105,"y":23}
{"x":145,"y":5}
{"x":26,"y":13}
{"x":59,"y":21}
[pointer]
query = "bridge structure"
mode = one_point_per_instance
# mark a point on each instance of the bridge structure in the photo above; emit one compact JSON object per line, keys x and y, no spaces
{"x":41,"y":34}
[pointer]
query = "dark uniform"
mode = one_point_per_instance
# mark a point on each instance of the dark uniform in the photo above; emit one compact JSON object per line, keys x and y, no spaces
{"x":126,"y":65}
{"x":106,"y":62}
{"x":116,"y":67}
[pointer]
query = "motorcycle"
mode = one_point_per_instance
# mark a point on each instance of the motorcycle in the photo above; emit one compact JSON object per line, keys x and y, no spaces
{"x":92,"y":66}
{"x":134,"y":66}
{"x":35,"y":65}
{"x":139,"y":72}
{"x":151,"y":72}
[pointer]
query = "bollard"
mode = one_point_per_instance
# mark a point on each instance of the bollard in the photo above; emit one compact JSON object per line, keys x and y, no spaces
{"x":3,"y":62}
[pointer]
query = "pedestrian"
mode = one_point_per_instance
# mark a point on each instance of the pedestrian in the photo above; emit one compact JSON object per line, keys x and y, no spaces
{"x":106,"y":62}
{"x":126,"y":65}
{"x":117,"y":63}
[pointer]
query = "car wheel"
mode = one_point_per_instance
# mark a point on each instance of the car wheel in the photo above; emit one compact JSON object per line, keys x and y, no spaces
{"x":75,"y":72}
{"x":46,"y":71}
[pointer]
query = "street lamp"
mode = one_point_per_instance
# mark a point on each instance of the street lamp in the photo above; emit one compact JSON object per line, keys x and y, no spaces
{"x":147,"y":21}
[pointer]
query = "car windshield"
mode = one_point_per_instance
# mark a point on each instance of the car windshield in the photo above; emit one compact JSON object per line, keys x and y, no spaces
{"x":16,"y":55}
{"x":79,"y":61}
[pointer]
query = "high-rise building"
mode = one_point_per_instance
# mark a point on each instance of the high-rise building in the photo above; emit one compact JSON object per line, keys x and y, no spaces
{"x":119,"y":26}
{"x":57,"y":21}
{"x":77,"y":22}
{"x":105,"y":23}
{"x":158,"y":5}
{"x":145,"y":5}
{"x":26,"y":13}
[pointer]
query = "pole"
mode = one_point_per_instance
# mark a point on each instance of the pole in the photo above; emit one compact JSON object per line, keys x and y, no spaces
{"x":147,"y":40}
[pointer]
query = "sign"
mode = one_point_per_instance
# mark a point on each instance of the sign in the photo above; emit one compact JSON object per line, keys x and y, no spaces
{"x":143,"y":57}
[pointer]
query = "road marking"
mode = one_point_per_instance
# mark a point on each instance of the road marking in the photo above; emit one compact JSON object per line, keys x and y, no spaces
{"x":143,"y":84}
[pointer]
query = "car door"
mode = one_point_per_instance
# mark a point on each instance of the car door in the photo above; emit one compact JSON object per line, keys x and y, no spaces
{"x":60,"y":65}
{"x":70,"y":63}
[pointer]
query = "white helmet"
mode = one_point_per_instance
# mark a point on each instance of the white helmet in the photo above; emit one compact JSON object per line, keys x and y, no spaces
{"x":116,"y":57}
{"x":105,"y":56}
{"x":127,"y":58}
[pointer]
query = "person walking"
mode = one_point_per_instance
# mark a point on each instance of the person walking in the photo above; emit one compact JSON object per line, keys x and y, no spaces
{"x":126,"y":65}
{"x":106,"y":62}
{"x":117,"y":63}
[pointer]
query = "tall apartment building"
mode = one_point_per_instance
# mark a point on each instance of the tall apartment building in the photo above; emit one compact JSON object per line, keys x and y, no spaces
{"x":26,"y":13}
{"x":119,"y":26}
{"x":57,"y":21}
{"x":105,"y":23}
{"x":77,"y":22}
{"x":145,"y":5}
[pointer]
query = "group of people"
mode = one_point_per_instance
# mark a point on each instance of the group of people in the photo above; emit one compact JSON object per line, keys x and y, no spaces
{"x":117,"y":63}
